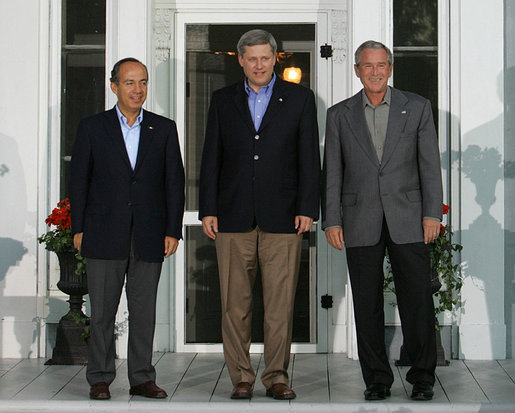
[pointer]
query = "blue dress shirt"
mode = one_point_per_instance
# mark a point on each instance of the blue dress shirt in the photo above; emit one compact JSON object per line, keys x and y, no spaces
{"x":130,"y":135}
{"x":258,"y":102}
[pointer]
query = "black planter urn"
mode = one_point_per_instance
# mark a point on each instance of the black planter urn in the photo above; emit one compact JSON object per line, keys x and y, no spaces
{"x":70,"y":345}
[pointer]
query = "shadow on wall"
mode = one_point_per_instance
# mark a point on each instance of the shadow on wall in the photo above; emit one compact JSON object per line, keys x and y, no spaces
{"x":486,"y":243}
{"x":16,"y":333}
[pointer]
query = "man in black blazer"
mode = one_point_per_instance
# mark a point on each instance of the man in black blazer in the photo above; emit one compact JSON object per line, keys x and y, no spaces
{"x":259,"y":191}
{"x":127,"y":203}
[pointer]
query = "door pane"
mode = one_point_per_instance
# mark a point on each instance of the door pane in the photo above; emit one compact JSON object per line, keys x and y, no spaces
{"x":203,"y":307}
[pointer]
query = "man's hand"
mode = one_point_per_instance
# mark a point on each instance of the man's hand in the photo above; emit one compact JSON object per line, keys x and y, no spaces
{"x":171,"y":245}
{"x":303,"y":224}
{"x":210,"y":226}
{"x":335,"y":237}
{"x":77,"y":240}
{"x":431,"y":230}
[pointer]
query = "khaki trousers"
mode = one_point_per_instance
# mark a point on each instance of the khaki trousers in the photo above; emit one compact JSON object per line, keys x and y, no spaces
{"x":278,"y":257}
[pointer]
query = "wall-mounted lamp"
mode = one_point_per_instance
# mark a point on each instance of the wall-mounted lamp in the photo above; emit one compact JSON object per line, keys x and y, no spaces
{"x":292,"y":74}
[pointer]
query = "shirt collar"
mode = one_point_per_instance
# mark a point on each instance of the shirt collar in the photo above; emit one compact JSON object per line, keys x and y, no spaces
{"x":268,"y":88}
{"x":387,"y":98}
{"x":123,"y":119}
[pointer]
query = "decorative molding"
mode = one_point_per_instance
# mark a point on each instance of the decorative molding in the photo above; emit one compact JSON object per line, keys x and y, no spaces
{"x":162,"y":33}
{"x":339,"y":34}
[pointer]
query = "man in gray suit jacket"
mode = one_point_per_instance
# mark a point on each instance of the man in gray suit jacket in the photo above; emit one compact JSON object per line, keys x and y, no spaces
{"x":382,"y":189}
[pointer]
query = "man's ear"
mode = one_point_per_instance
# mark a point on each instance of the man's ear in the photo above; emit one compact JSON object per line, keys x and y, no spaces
{"x":114,"y":88}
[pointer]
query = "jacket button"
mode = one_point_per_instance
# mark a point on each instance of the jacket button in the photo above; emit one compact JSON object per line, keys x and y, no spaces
{"x":256,"y":157}
{"x":129,"y":203}
{"x":256,"y":137}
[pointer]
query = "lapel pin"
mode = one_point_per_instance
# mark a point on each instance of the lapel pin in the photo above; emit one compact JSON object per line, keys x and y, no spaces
{"x":151,"y":127}
{"x":403,"y":112}
{"x":280,"y":99}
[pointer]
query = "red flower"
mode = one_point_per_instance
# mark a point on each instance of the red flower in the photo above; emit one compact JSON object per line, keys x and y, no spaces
{"x":60,"y":216}
{"x":442,"y":229}
{"x":445,"y":209}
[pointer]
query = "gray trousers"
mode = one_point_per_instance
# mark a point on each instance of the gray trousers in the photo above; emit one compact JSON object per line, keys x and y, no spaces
{"x":105,"y":284}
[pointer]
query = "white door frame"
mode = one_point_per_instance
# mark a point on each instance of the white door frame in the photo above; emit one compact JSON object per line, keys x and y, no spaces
{"x":323,"y":95}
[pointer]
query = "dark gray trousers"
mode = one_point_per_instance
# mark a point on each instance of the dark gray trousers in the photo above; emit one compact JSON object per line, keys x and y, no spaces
{"x":105,"y":284}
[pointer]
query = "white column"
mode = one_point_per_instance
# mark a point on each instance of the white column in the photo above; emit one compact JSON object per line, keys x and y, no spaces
{"x":482,"y":329}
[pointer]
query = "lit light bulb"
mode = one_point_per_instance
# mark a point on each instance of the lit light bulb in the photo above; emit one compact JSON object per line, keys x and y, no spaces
{"x":292,"y":74}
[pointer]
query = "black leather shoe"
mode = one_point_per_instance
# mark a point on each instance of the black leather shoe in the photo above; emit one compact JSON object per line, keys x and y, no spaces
{"x":422,"y":391}
{"x":377,"y":391}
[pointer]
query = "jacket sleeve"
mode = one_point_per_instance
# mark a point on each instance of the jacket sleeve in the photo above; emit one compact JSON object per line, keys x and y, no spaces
{"x":174,"y":185}
{"x":308,"y":198}
{"x":332,"y":174}
{"x":80,"y":177}
{"x":211,"y":163}
{"x":429,"y":165}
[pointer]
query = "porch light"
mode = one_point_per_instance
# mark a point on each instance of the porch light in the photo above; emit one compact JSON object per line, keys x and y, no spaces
{"x":292,"y":74}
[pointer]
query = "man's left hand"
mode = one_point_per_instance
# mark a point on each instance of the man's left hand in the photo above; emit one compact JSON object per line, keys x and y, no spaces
{"x":171,"y":245}
{"x":431,"y":230}
{"x":303,"y":224}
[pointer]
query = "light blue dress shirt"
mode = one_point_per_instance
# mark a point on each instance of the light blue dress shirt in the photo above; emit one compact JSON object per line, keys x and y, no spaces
{"x":258,"y":102}
{"x":130,"y":135}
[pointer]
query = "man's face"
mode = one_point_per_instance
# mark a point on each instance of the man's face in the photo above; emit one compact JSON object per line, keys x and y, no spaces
{"x":374,"y":71}
{"x":258,"y":65}
{"x":131,"y":89}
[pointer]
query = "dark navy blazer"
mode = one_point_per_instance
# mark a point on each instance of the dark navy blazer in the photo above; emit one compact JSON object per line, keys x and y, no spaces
{"x":108,"y":197}
{"x":270,"y":175}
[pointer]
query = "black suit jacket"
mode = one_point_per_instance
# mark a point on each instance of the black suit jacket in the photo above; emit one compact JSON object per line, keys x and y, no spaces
{"x":270,"y":175}
{"x":108,"y":198}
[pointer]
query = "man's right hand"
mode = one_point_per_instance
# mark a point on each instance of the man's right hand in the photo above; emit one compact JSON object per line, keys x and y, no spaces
{"x":77,"y":240}
{"x":210,"y":226}
{"x":335,"y":237}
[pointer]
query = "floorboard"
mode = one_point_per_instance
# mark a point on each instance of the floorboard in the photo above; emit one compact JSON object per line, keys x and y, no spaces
{"x":493,"y":380}
{"x":199,"y":382}
{"x":20,"y":376}
{"x":459,"y":385}
{"x":309,"y":378}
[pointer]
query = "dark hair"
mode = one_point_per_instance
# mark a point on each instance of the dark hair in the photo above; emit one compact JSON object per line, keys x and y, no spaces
{"x":255,"y":37}
{"x":372,"y":44}
{"x":116,"y":68}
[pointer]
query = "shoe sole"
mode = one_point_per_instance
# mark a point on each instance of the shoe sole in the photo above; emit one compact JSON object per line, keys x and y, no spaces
{"x":421,"y":397}
{"x":291,"y":396}
{"x":241,"y":396}
{"x":150,"y":397}
{"x":99,"y":398}
{"x":376,"y":396}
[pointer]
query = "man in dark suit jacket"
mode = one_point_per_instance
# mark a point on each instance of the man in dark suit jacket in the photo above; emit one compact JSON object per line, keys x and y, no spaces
{"x":259,"y":191}
{"x":127,"y":203}
{"x":382,"y":189}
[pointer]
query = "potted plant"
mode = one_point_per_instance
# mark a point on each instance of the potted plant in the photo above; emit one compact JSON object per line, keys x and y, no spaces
{"x":71,"y":347}
{"x":446,"y":281}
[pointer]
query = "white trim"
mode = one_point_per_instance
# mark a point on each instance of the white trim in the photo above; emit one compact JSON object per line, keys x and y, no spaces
{"x":190,"y":217}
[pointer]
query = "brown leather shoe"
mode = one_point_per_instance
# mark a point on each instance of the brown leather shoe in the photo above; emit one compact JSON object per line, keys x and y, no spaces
{"x":99,"y":391}
{"x":243,"y":390}
{"x":148,"y":389}
{"x":280,"y":391}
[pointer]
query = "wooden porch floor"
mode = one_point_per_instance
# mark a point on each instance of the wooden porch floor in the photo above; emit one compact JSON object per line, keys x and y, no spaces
{"x":200,"y":383}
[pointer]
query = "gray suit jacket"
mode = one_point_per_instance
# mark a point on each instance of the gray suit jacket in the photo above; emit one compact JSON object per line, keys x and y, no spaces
{"x":406,"y":186}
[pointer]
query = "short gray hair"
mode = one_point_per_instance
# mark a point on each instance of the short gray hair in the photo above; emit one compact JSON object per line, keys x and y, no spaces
{"x":255,"y":37}
{"x":372,"y":44}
